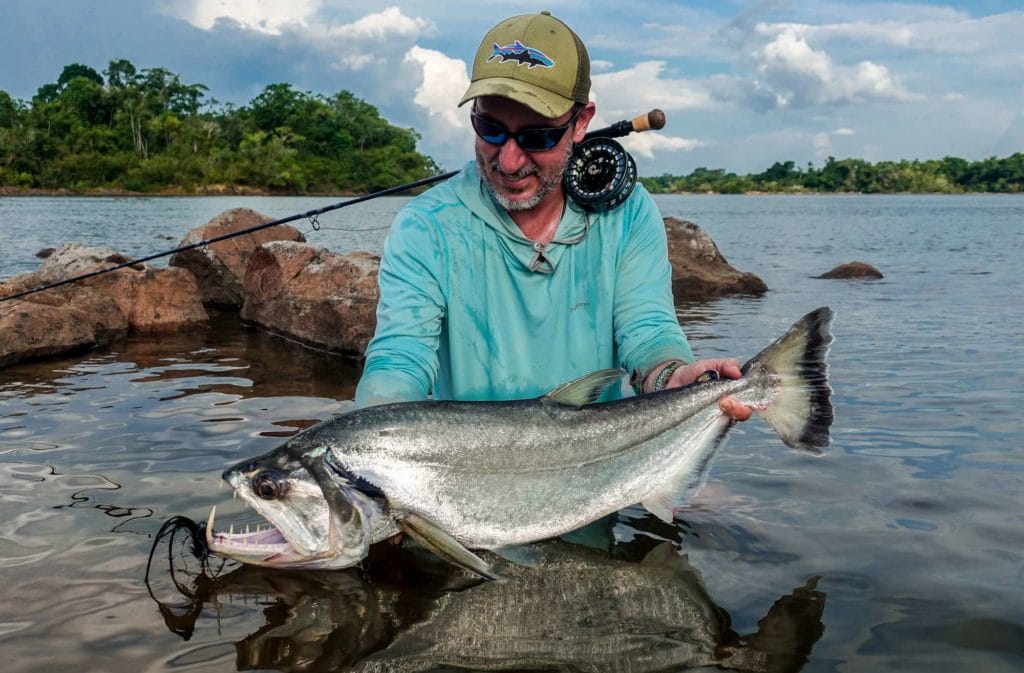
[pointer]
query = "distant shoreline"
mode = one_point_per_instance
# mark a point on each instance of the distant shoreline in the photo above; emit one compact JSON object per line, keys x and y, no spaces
{"x":222,"y":190}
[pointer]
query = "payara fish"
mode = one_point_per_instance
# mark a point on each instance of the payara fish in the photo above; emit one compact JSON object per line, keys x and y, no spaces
{"x":462,"y":476}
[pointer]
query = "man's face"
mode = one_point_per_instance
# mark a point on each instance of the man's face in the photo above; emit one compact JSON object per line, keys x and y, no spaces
{"x":520,"y":180}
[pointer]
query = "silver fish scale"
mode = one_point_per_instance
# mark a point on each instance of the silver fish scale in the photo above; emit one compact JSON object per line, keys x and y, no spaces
{"x":494,"y":475}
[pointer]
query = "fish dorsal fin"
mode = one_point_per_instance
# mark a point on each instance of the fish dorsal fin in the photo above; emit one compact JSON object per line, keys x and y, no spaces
{"x":585,"y":389}
{"x":431,"y":536}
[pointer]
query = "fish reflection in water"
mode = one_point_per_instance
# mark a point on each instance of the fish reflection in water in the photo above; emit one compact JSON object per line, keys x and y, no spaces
{"x":578,"y":610}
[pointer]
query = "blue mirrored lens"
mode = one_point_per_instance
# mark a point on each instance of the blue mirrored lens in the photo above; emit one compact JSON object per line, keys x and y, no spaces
{"x":530,"y":140}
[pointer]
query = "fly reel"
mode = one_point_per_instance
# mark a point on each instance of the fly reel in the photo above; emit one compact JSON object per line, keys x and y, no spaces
{"x":600,"y":175}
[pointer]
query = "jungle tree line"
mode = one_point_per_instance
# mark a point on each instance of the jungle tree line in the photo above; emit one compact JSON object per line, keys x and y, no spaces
{"x":948,"y":175}
{"x":146,"y":130}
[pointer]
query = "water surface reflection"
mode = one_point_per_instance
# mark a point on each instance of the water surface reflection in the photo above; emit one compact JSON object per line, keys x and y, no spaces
{"x":579,"y":610}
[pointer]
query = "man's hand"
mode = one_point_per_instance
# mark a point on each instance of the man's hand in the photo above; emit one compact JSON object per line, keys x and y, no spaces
{"x":728,"y":368}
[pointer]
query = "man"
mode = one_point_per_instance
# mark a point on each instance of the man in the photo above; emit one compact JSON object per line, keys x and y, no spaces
{"x":494,"y":285}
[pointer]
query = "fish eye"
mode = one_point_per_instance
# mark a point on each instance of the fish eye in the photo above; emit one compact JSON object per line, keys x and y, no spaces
{"x":269,"y":485}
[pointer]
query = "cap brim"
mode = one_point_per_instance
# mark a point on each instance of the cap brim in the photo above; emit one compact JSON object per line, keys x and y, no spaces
{"x":541,"y":101}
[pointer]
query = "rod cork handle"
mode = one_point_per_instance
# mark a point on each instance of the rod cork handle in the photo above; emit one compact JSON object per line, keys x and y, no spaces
{"x":653,"y":120}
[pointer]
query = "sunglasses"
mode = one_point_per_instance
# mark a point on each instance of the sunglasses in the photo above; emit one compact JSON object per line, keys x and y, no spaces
{"x":534,"y":139}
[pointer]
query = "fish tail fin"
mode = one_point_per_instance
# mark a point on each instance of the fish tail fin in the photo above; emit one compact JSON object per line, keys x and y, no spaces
{"x":801,"y":413}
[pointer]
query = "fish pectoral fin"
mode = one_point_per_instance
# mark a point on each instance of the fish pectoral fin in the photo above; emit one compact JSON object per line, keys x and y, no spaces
{"x":431,"y":536}
{"x":677,"y":490}
{"x":523,"y":555}
{"x":585,"y":389}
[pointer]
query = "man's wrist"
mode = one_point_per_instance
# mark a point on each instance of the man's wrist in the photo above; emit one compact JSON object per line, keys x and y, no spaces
{"x":659,"y":376}
{"x":665,"y":374}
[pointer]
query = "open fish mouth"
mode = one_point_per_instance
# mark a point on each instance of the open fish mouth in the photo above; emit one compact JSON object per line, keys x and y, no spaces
{"x":266,"y":545}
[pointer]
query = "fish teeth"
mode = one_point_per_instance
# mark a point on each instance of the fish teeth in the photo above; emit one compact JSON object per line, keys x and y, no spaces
{"x":209,"y":526}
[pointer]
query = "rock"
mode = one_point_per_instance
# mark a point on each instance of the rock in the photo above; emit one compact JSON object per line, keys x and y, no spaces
{"x":313,"y":295}
{"x":853,"y":270}
{"x":45,"y":252}
{"x":74,"y":259}
{"x":167,"y":300}
{"x":32,"y":331}
{"x":159,"y":300}
{"x":95,"y":311}
{"x":99,"y":311}
{"x":219,"y":268}
{"x":699,"y":270}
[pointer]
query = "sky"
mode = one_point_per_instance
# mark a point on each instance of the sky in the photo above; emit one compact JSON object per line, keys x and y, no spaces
{"x":743,"y":83}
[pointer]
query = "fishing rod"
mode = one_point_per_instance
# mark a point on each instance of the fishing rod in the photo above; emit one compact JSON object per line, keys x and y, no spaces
{"x":599,"y":176}
{"x":309,"y":214}
{"x":650,"y":121}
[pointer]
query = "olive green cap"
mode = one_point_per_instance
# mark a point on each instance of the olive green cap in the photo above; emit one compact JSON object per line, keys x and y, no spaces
{"x":534,"y":59}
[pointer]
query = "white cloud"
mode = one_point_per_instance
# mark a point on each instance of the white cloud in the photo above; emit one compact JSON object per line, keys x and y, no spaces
{"x":444,"y":82}
{"x":372,"y":40}
{"x":936,"y":30}
{"x":646,"y":144}
{"x":800,"y":75}
{"x":790,"y":54}
{"x":437,"y":83}
{"x":897,"y":33}
{"x":843,"y":132}
{"x":384,"y":25}
{"x":627,"y":93}
{"x":264,"y":16}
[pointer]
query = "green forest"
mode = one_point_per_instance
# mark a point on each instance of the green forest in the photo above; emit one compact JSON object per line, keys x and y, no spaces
{"x":144,"y":130}
{"x":950,"y":175}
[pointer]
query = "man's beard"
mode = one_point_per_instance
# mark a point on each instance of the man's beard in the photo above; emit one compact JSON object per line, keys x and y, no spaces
{"x":550,"y":179}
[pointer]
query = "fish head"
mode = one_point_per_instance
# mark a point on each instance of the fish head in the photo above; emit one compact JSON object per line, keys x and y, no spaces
{"x":315,"y":519}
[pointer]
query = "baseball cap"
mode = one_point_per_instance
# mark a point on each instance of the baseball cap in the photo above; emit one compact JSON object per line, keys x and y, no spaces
{"x":534,"y":59}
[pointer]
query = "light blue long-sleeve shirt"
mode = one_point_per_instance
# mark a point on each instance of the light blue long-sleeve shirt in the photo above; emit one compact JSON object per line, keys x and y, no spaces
{"x":470,"y":309}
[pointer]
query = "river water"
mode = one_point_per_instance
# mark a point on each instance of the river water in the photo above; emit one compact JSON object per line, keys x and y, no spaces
{"x":901,"y":548}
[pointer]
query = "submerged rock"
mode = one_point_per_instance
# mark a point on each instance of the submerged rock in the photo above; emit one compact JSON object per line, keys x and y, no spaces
{"x":699,"y":270}
{"x":853,"y":270}
{"x":34,"y":331}
{"x":313,"y":295}
{"x":219,"y":268}
{"x":69,"y":318}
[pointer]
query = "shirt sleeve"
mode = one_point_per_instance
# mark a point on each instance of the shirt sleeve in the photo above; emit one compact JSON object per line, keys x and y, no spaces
{"x":647,"y":331}
{"x":401,"y":360}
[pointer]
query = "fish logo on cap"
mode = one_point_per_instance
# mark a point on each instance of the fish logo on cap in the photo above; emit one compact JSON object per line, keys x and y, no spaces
{"x":521,"y":54}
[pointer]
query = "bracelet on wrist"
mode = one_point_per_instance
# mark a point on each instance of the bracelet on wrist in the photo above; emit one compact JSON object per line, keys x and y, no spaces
{"x":665,"y":374}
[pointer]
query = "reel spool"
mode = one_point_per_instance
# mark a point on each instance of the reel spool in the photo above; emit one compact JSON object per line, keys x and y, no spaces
{"x":600,"y":175}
